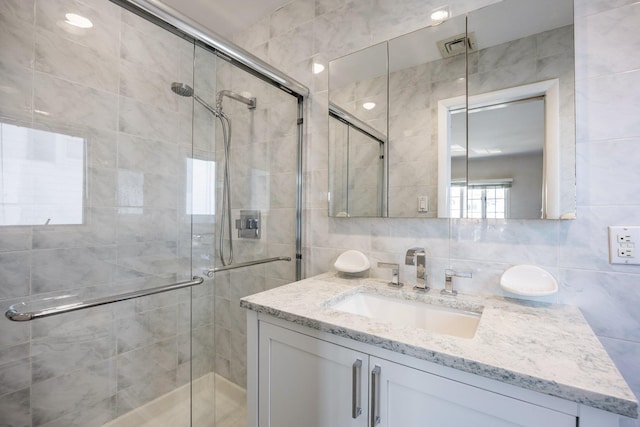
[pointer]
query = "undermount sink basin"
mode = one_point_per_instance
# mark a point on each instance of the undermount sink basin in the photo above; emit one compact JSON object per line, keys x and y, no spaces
{"x":412,"y":314}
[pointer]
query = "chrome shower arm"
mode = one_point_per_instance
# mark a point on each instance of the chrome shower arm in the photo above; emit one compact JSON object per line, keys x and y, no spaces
{"x":251,"y":102}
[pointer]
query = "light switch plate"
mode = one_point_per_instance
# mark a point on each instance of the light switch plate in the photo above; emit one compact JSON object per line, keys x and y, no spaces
{"x":624,"y":244}
{"x":423,"y":203}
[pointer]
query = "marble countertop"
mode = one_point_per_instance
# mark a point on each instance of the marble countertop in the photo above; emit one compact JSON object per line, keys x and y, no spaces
{"x":546,"y":348}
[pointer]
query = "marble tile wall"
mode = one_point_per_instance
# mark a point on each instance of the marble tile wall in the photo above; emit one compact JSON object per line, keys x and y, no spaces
{"x":607,"y":132}
{"x":110,"y":85}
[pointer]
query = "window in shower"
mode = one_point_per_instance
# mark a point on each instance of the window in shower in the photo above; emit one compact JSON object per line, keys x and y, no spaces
{"x":41,"y":177}
{"x":201,"y":178}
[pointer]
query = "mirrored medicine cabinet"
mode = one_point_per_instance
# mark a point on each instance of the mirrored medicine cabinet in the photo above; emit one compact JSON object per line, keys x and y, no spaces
{"x":471,"y":118}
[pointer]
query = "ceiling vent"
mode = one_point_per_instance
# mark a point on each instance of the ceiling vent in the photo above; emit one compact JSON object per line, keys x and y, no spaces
{"x":457,"y":45}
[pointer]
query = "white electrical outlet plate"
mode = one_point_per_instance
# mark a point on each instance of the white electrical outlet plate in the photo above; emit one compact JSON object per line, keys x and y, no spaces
{"x":624,"y":244}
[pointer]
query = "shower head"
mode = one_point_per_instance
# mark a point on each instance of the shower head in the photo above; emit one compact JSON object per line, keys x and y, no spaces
{"x":182,"y":89}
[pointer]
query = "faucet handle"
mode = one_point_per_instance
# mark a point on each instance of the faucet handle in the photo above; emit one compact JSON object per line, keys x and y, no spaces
{"x":448,"y":282}
{"x":395,"y":273}
{"x":452,"y":273}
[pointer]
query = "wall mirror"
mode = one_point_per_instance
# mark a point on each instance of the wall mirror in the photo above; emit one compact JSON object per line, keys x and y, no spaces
{"x":480,"y":116}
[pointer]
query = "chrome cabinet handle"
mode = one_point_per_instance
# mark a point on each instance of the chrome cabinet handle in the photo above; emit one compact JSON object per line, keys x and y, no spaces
{"x":356,"y":392}
{"x":375,"y":396}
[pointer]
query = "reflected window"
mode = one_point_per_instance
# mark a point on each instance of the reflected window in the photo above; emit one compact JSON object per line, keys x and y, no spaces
{"x":480,"y":200}
{"x":41,"y":177}
{"x":201,"y":194}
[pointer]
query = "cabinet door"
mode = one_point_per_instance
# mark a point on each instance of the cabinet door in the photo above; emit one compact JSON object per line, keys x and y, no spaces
{"x":408,"y":397}
{"x":308,"y":382}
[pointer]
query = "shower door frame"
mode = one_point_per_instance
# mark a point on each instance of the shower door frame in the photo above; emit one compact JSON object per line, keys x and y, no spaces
{"x":179,"y":24}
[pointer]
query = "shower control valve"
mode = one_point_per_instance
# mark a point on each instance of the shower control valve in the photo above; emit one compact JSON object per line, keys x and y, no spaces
{"x":248,"y":225}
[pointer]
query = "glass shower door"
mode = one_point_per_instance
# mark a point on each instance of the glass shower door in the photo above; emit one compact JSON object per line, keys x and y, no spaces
{"x":95,"y":154}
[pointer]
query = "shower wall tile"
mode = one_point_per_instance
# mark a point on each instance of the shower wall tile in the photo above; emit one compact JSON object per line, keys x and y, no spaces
{"x":98,"y":229}
{"x":285,"y":194}
{"x":94,"y":415}
{"x":15,"y":239}
{"x":157,"y":51}
{"x":137,"y":81}
{"x":65,"y":103}
{"x":103,"y":15}
{"x":145,"y":364}
{"x":59,"y":269}
{"x":16,"y":101}
{"x":102,"y":187}
{"x":147,"y":121}
{"x":86,"y":387}
{"x":14,"y":375}
{"x":101,"y":148}
{"x":12,"y":334}
{"x":75,"y":62}
{"x":282,"y":119}
{"x":15,"y":409}
{"x":18,"y":9}
{"x":55,"y":356}
{"x":15,"y":274}
{"x":83,"y":325}
{"x":145,"y":328}
{"x":16,"y":40}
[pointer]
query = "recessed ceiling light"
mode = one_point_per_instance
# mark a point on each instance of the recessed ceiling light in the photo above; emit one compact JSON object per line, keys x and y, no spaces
{"x":369,"y":105}
{"x":317,"y":68}
{"x":440,"y":14}
{"x":78,"y":20}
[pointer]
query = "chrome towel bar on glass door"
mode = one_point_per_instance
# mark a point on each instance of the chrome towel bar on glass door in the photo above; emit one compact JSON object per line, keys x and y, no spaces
{"x":18,"y":316}
{"x":211,"y":271}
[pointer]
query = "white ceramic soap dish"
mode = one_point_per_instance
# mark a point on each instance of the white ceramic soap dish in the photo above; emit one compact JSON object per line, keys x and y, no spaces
{"x":528,"y":280}
{"x":352,"y":262}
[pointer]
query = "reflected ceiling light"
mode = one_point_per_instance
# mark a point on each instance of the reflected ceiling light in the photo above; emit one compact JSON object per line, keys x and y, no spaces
{"x":78,"y":20}
{"x":369,"y":105}
{"x":317,"y":68}
{"x":458,"y":148}
{"x":44,"y":113}
{"x":440,"y":14}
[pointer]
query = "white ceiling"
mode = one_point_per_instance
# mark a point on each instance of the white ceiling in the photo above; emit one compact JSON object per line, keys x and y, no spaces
{"x":226,"y":17}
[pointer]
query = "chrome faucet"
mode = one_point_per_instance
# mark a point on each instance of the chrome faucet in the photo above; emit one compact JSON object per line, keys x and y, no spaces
{"x":395,"y":274}
{"x":448,"y":280}
{"x":417,"y":257}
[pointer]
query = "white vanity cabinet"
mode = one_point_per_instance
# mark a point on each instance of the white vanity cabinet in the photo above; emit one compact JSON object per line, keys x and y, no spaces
{"x":312,"y":382}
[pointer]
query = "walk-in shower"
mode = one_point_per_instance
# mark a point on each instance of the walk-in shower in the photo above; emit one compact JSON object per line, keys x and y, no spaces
{"x":108,"y":325}
{"x":185,"y":90}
